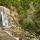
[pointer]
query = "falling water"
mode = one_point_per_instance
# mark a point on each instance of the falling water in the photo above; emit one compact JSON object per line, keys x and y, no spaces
{"x":4,"y":16}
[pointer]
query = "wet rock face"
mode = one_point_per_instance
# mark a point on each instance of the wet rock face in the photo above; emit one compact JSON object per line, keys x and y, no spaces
{"x":4,"y":17}
{"x":7,"y":17}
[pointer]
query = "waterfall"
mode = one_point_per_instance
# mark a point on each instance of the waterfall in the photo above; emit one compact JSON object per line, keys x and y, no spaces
{"x":4,"y":20}
{"x":4,"y":16}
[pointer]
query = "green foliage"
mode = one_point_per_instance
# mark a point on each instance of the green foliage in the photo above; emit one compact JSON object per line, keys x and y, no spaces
{"x":29,"y":34}
{"x":28,"y":24}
